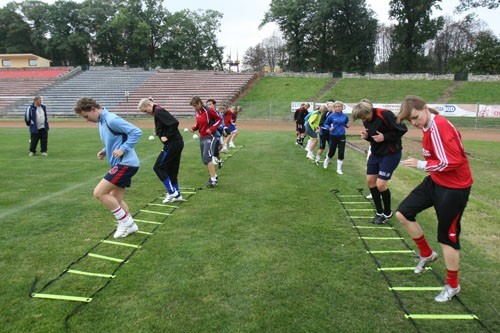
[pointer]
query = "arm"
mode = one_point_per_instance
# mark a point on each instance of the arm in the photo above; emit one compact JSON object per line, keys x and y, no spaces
{"x":133,"y":134}
{"x":448,"y":148}
{"x":217,"y":120}
{"x":395,"y":130}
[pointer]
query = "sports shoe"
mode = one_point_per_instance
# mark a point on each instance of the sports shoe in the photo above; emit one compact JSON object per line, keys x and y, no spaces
{"x":122,"y":228}
{"x":377,"y":216}
{"x":447,"y":293}
{"x":133,"y":228}
{"x":219,"y":164}
{"x":211,"y":183}
{"x":44,"y":154}
{"x":424,"y":261}
{"x":176,"y":196}
{"x":224,"y":150}
{"x":32,"y":154}
{"x":310,"y":155}
{"x":369,"y":196}
{"x":232,"y":145}
{"x":325,"y":163}
{"x":339,"y":171}
{"x":382,"y":218}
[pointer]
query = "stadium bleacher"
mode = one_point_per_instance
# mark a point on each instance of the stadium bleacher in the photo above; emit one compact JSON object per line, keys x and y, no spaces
{"x":18,"y":84}
{"x":120,"y":89}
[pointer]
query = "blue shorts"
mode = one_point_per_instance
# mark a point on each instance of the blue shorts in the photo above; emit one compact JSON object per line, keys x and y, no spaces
{"x":231,"y":128}
{"x":121,"y":175}
{"x":311,"y":132}
{"x":383,"y":166}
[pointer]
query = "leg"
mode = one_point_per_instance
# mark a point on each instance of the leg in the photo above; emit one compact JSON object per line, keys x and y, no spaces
{"x":34,"y":137}
{"x":108,"y":194}
{"x":44,"y":135}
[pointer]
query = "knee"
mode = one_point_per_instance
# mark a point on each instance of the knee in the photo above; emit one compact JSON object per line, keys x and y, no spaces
{"x":98,"y":194}
{"x":401,"y":218}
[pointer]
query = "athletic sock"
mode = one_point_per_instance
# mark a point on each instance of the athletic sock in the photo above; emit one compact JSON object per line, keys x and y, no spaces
{"x":452,"y":278}
{"x":339,"y":165}
{"x":120,"y":214}
{"x":376,"y":199}
{"x":423,"y":246}
{"x":386,"y":198}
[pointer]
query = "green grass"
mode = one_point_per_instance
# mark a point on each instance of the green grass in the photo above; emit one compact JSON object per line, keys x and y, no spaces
{"x":477,"y":92}
{"x":386,"y":91}
{"x":269,"y":250}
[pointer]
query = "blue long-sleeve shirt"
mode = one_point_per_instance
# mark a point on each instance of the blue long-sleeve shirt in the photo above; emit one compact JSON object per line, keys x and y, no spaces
{"x":336,"y":123}
{"x":116,"y":133}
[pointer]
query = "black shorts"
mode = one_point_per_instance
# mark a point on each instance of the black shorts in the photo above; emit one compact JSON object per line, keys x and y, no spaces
{"x":449,"y":204}
{"x":121,"y":175}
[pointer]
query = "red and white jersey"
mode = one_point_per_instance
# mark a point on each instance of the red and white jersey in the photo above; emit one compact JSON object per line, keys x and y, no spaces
{"x":442,"y":148}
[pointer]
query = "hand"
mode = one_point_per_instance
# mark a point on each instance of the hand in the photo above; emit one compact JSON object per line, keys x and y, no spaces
{"x":208,"y":132}
{"x":410,"y":162}
{"x":118,"y":153}
{"x":191,"y":130}
{"x":163,"y":139}
{"x":379,"y":137}
{"x":101,"y":154}
{"x":364,"y":134}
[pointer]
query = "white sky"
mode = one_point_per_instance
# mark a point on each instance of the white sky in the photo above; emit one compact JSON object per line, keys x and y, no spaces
{"x":239,"y":26}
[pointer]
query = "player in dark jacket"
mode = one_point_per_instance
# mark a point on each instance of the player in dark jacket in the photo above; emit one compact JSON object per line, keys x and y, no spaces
{"x":167,"y":164}
{"x":384,"y":133}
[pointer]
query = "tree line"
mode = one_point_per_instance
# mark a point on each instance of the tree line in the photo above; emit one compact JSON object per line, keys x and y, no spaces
{"x":344,"y":35}
{"x":320,"y":36}
{"x":138,"y":33}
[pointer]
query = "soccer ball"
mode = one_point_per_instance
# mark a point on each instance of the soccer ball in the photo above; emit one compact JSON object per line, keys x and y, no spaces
{"x":185,"y":129}
{"x":195,"y":136}
{"x":151,"y":138}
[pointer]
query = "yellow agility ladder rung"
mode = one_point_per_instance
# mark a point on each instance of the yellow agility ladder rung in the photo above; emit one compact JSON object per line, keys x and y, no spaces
{"x":144,"y":232}
{"x":416,"y":288}
{"x":371,"y":227}
{"x":153,"y":212}
{"x":382,"y":238}
{"x":120,"y":244}
{"x":441,"y":316}
{"x":63,"y":297}
{"x":390,"y":251}
{"x":146,"y":221}
{"x":400,"y":268}
{"x":108,"y":276}
{"x":98,"y":256}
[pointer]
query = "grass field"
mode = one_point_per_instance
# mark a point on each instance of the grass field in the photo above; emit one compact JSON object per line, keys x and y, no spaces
{"x":269,"y":250}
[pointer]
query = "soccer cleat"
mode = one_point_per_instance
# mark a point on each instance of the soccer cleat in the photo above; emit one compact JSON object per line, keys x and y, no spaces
{"x":339,"y":171}
{"x":424,"y":261}
{"x":44,"y":154}
{"x":133,"y":228}
{"x":220,"y":164}
{"x":447,"y":293}
{"x":232,"y":145}
{"x":122,"y":228}
{"x":369,"y":196}
{"x":176,"y":196}
{"x":211,"y":183}
{"x":224,"y":150}
{"x":376,"y":217}
{"x":325,"y":163}
{"x":310,"y":155}
{"x":32,"y":154}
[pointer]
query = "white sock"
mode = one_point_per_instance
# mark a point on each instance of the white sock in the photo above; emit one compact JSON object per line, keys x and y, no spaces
{"x":120,"y":214}
{"x":339,"y":164}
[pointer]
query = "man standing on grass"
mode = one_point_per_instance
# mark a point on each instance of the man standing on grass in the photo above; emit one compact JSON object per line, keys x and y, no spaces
{"x":447,"y":189}
{"x":36,"y":118}
{"x":119,"y":138}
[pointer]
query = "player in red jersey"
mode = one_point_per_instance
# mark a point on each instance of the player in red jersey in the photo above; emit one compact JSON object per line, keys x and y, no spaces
{"x":447,"y":189}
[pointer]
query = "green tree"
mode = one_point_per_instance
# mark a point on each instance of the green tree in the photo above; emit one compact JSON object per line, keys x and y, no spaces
{"x":485,"y":57}
{"x":414,"y":28}
{"x":14,"y":32}
{"x":465,"y":5}
{"x":294,"y":17}
{"x":192,"y":41}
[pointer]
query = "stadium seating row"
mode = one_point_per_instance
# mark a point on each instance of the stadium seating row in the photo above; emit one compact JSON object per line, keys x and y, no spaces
{"x":120,"y":89}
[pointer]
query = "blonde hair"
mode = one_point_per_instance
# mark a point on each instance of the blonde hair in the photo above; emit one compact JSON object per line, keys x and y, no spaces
{"x":143,"y":103}
{"x":338,"y":103}
{"x":412,"y":102}
{"x":323,"y":108}
{"x":360,"y":110}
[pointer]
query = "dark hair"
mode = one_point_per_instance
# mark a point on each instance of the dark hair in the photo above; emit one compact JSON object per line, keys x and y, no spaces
{"x":196,"y":100}
{"x":211,"y":100}
{"x":85,"y":104}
